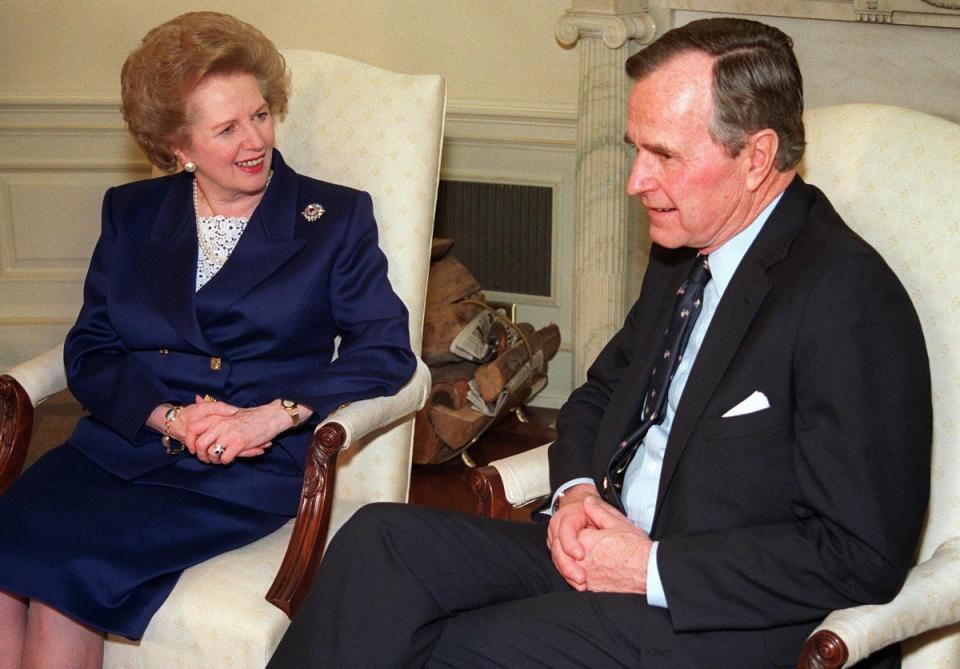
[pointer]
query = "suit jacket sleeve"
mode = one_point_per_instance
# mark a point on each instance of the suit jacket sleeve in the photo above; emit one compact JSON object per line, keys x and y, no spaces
{"x":109,"y":382}
{"x":860,"y":444}
{"x":374,"y":357}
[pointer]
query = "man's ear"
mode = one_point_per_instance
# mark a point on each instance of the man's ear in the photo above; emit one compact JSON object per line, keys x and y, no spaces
{"x":761,"y":153}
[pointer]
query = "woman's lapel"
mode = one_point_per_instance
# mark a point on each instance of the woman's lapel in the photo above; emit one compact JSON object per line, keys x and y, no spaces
{"x":168,"y":261}
{"x":265,"y":246}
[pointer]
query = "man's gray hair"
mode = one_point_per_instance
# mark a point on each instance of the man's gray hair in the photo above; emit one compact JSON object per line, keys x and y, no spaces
{"x":756,"y":80}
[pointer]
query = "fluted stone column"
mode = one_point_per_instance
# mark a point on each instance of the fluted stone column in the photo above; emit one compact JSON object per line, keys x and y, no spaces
{"x":602,"y":241}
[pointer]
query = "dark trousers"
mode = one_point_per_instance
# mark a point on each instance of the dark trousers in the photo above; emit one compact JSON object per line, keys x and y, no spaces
{"x":404,"y":586}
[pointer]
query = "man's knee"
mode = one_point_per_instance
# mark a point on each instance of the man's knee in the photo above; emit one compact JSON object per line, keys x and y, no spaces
{"x":372,"y":525}
{"x":373,"y":515}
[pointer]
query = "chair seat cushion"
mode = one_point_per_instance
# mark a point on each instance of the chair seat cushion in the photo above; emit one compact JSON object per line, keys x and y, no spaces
{"x":217,"y":615}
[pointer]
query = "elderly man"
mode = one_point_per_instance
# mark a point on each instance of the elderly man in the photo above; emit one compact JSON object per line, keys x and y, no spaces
{"x":748,"y":453}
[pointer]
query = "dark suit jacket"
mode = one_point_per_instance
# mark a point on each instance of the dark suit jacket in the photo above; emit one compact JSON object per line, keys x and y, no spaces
{"x":770,"y":520}
{"x":144,"y":336}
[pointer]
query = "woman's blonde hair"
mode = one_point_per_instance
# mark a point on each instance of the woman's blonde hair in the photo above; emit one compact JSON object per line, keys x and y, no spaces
{"x":159,"y":76}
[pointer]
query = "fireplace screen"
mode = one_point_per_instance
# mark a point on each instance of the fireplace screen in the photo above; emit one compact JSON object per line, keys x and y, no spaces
{"x":501,"y":232}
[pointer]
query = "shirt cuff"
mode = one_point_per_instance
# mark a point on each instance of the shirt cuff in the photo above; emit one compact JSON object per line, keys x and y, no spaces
{"x":566,"y":486}
{"x":655,"y":594}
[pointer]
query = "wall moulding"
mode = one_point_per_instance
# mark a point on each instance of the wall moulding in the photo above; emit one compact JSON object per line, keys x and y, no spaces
{"x":53,"y":315}
{"x":515,"y":124}
{"x":930,"y":13}
{"x":60,"y":114}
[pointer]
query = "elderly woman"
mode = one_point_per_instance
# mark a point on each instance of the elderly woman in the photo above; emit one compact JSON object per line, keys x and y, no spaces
{"x":203,"y":351}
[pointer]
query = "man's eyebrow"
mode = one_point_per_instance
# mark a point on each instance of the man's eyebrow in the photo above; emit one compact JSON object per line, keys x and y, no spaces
{"x":659,"y":149}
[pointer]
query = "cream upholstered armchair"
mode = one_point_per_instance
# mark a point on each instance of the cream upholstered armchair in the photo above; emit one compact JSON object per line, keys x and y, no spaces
{"x":893,"y":174}
{"x":360,"y":126}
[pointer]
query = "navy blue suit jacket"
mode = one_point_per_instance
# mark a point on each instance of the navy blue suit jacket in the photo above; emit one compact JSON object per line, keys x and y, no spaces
{"x":144,"y":335}
{"x":767,"y":521}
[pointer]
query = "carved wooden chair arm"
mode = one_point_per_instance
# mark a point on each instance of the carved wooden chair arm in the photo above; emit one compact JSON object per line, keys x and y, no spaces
{"x":21,"y":389}
{"x":488,"y":490}
{"x":16,"y":422}
{"x":511,"y":482}
{"x":336,"y":433}
{"x":928,"y":600}
{"x":823,"y":650}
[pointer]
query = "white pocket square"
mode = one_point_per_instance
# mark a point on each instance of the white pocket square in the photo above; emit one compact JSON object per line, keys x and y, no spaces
{"x":757,"y":401}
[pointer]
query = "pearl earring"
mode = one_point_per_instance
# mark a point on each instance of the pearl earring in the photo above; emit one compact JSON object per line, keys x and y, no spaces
{"x":190,"y":167}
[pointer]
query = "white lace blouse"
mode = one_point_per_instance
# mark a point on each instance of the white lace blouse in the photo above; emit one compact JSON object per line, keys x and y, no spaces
{"x":217,"y":236}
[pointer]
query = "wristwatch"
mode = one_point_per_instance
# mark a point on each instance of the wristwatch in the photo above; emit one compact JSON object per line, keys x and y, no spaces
{"x":292,"y":409}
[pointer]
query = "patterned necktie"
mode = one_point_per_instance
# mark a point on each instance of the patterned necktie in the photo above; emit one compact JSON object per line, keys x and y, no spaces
{"x":687,"y":309}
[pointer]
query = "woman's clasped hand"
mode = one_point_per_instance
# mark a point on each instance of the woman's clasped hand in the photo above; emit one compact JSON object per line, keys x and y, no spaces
{"x":218,"y":432}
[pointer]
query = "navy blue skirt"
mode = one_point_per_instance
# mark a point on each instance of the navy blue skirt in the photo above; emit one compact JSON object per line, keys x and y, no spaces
{"x":106,"y":551}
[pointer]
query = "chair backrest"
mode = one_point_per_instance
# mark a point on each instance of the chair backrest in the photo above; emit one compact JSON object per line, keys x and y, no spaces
{"x":894,"y":176}
{"x":357,"y":125}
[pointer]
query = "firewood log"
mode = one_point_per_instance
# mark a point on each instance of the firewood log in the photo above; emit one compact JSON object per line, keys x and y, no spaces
{"x":449,"y":281}
{"x":426,"y":443}
{"x":441,"y":324}
{"x":501,"y":332}
{"x":493,"y":376}
{"x":450,"y":384}
{"x":439,"y":247}
{"x":455,"y":429}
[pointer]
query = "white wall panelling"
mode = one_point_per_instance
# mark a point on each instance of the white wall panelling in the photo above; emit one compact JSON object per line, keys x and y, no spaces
{"x":56,"y":160}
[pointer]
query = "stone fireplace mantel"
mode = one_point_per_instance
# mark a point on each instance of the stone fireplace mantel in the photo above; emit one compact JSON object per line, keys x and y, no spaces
{"x":932,"y":13}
